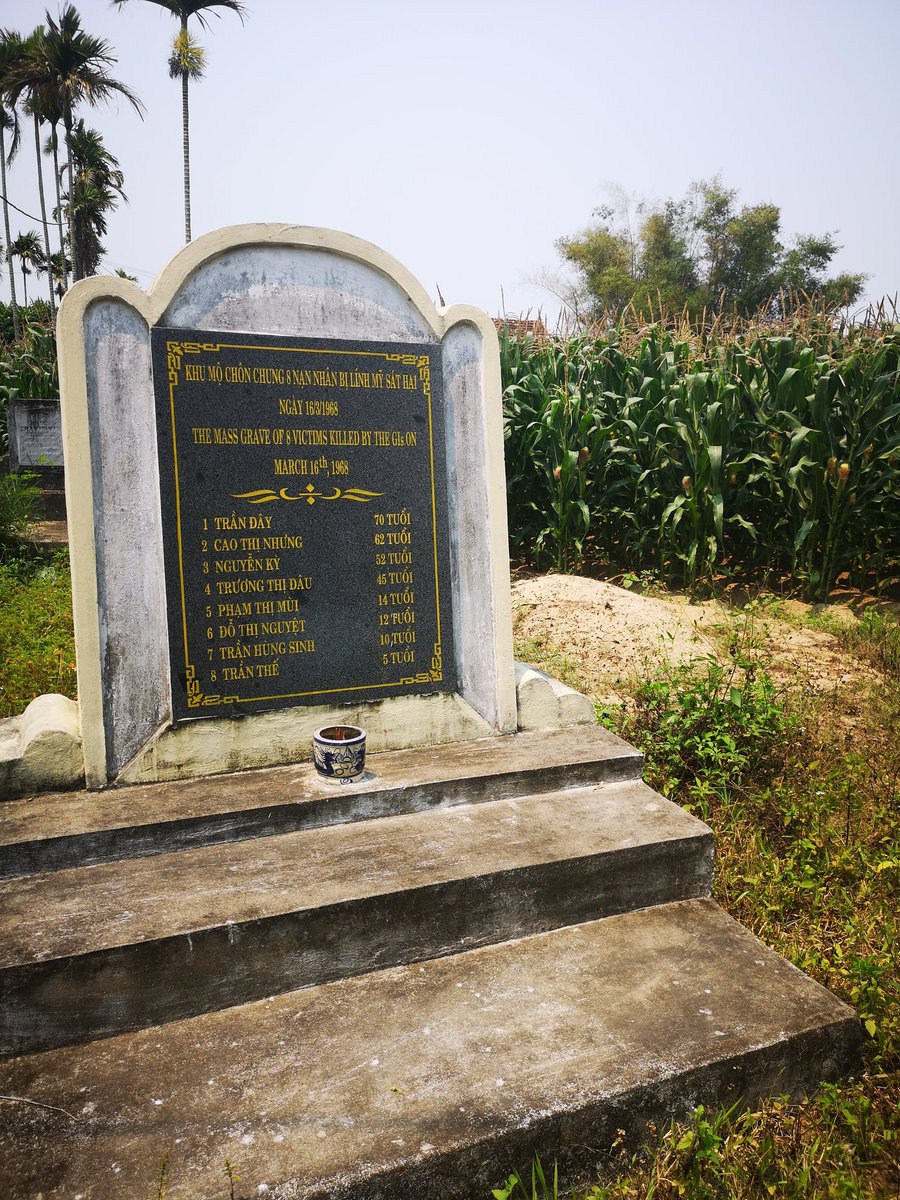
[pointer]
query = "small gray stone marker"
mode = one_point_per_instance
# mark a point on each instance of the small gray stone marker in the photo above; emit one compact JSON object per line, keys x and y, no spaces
{"x":35,"y":434}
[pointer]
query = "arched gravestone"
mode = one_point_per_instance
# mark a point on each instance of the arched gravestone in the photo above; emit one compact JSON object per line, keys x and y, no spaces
{"x":286,"y":506}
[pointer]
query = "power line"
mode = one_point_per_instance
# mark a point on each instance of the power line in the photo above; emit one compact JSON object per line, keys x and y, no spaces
{"x":40,"y":220}
{"x":30,"y":216}
{"x":129,"y":267}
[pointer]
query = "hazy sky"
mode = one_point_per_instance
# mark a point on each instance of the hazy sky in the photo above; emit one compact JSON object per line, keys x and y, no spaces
{"x":464,"y":137}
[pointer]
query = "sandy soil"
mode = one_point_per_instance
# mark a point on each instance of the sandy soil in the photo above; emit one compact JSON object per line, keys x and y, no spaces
{"x":611,"y":634}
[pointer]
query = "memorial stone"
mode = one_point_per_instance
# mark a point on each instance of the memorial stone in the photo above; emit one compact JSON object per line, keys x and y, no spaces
{"x":35,"y":435}
{"x":245,"y":444}
{"x":286,"y":508}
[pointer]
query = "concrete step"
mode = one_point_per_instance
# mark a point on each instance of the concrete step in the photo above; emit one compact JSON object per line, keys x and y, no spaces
{"x":91,"y":951}
{"x":432,"y":1079}
{"x":54,"y":832}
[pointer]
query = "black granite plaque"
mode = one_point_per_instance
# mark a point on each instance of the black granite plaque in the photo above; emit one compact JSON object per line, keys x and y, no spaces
{"x":304,"y":509}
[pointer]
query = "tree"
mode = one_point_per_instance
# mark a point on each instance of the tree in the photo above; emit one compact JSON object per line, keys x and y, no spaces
{"x":59,"y":267}
{"x":700,"y":252}
{"x":97,"y":189}
{"x":51,"y":147}
{"x":10,"y":51}
{"x":667,"y":272}
{"x":75,"y":69}
{"x":741,"y":249}
{"x":803,"y":270}
{"x":602,"y":259}
{"x":27,"y":249}
{"x":186,"y":62}
{"x":33,"y":86}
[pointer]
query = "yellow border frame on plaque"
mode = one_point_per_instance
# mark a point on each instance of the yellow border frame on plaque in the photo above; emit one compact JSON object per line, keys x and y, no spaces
{"x":176,"y":350}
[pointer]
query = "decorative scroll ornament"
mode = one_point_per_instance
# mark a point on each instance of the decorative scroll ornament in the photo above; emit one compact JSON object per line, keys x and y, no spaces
{"x":267,"y":495}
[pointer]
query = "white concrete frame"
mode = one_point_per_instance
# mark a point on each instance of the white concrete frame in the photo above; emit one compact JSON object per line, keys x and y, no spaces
{"x":294,"y":281}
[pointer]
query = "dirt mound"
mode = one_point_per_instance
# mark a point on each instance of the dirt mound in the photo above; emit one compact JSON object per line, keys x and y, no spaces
{"x":611,"y":634}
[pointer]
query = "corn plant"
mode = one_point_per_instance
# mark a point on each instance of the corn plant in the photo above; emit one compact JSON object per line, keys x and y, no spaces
{"x":696,"y":452}
{"x":28,"y":371}
{"x":556,"y":431}
{"x":28,"y":368}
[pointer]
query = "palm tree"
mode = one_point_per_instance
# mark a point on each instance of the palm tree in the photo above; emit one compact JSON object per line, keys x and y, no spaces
{"x":58,"y":269}
{"x":75,"y":65}
{"x":51,"y":147}
{"x":10,"y":51}
{"x":186,"y":62}
{"x":31,"y":83}
{"x":27,"y":248}
{"x":32,"y":109}
{"x":98,"y":187}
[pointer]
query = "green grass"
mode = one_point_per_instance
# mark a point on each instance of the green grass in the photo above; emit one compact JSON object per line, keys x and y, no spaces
{"x":836,"y":1145}
{"x":803,"y":798}
{"x":37,"y":643}
{"x":540,"y":654}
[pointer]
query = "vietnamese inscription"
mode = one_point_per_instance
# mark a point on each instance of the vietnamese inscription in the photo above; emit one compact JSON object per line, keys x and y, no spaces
{"x":304,"y":520}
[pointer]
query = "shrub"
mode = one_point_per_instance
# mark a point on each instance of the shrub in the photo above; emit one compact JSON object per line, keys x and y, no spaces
{"x":708,"y":729}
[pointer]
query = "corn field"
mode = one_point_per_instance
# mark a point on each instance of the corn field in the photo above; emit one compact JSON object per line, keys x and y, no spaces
{"x":28,"y":368}
{"x":699,"y":453}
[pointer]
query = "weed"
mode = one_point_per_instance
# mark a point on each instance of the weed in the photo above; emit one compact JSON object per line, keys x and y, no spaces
{"x":802,"y":791}
{"x":516,"y":1188}
{"x":232,"y":1177}
{"x":876,"y":637}
{"x":18,"y":502}
{"x":538,"y":653}
{"x":37,"y":643}
{"x":839,"y":1144}
{"x":645,"y":583}
{"x":707,"y":728}
{"x":161,"y":1183}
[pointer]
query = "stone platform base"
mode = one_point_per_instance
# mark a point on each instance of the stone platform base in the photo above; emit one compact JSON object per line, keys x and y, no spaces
{"x":41,"y":750}
{"x":401,"y":988}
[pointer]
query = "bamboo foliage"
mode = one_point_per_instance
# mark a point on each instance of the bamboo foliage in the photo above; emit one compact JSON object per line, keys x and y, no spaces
{"x":696,"y":451}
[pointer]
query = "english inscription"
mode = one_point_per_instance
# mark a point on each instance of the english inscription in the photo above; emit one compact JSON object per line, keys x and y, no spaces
{"x":304,"y":520}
